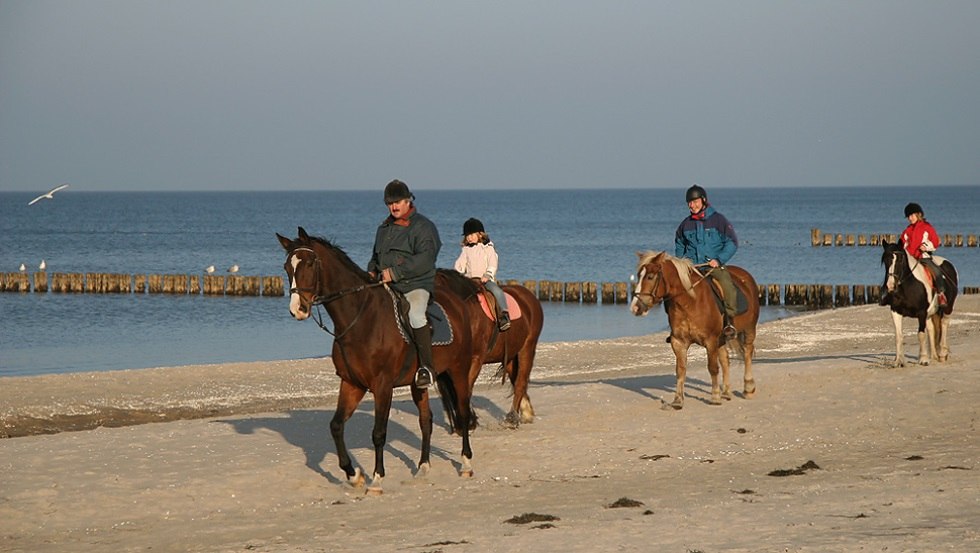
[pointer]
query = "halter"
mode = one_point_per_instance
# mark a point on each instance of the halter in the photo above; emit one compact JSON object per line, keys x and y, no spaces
{"x":910,"y":273}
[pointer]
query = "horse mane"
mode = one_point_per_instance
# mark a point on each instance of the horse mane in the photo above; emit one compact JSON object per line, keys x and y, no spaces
{"x":342,"y":255}
{"x":458,"y":283}
{"x":683,"y":265}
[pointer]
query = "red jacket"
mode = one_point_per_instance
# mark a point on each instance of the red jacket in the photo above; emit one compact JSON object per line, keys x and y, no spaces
{"x":917,"y":234}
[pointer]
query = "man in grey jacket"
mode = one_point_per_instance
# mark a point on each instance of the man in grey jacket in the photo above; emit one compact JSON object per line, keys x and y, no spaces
{"x":404,"y":256}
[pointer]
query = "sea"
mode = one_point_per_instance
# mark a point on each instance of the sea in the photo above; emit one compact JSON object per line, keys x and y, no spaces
{"x":543,"y":234}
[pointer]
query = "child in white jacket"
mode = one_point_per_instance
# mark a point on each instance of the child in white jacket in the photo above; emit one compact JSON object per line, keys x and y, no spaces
{"x":478,"y":259}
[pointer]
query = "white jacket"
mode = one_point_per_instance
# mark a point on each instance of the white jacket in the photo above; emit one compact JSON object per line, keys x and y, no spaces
{"x":478,"y":261}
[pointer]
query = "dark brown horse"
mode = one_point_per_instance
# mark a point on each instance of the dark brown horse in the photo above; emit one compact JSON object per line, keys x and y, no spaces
{"x":695,"y":317}
{"x":370,"y":353}
{"x":514,"y":349}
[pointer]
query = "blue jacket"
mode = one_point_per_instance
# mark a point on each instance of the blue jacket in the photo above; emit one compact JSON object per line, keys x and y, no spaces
{"x":409,"y":250}
{"x":703,"y":239}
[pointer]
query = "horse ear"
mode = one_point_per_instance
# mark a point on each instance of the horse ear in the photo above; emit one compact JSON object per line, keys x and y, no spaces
{"x":286,"y":242}
{"x":640,"y":255}
{"x":302,"y":233}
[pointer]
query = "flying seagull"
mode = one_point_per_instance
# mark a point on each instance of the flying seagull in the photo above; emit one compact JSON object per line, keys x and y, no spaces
{"x":49,"y":195}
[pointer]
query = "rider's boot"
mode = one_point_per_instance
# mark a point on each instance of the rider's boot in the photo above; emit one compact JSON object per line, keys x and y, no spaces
{"x":503,"y":320}
{"x":729,"y":332}
{"x":424,"y":376}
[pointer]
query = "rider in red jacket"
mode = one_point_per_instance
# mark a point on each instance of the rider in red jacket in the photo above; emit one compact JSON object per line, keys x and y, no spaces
{"x":921,"y":240}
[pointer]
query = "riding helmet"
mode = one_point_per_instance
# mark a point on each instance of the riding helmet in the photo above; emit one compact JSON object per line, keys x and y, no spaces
{"x":472,"y":225}
{"x":912,"y":208}
{"x":696,"y":192}
{"x":396,"y":191}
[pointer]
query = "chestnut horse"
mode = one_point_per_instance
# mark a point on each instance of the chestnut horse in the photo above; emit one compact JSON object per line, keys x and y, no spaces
{"x":514,"y":348}
{"x":696,"y":318}
{"x":908,"y":294}
{"x":370,"y":353}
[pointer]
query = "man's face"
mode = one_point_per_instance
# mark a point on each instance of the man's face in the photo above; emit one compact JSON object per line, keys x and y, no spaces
{"x":696,"y":205}
{"x":400,"y":208}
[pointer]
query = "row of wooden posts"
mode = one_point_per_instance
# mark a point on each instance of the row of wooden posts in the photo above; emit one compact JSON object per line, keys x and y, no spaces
{"x":811,"y":296}
{"x":818,"y":238}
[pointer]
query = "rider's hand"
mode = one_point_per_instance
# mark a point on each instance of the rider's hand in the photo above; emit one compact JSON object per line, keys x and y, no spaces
{"x":714,"y":263}
{"x":387,"y":275}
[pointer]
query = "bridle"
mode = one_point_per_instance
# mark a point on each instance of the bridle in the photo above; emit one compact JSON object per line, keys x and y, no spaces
{"x":907,"y":270}
{"x":318,"y":300}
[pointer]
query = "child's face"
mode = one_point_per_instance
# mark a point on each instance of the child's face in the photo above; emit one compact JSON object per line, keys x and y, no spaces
{"x":473,"y":238}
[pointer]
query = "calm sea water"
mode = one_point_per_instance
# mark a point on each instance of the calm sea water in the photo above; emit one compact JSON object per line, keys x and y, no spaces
{"x":576,"y":235}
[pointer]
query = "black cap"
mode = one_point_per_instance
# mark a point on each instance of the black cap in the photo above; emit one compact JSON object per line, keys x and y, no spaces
{"x":396,"y":191}
{"x":696,"y":192}
{"x":472,"y":225}
{"x":912,"y":208}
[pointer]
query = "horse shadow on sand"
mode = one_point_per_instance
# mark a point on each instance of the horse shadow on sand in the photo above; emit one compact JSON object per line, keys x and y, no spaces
{"x":646,"y":386}
{"x":309,"y":430}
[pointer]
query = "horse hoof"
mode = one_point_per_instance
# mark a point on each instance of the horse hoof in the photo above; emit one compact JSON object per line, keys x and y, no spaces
{"x":716,"y":400}
{"x":357,"y":480}
{"x":466,"y":473}
{"x":512,"y":420}
{"x":374,"y":491}
{"x":423,"y":470}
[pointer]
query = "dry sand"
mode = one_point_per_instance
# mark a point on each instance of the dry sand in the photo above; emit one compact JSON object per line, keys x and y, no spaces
{"x":885,"y":459}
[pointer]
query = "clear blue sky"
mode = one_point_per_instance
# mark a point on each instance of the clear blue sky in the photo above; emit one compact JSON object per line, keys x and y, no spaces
{"x":245,"y":95}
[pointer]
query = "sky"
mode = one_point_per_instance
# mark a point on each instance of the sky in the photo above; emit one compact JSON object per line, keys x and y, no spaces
{"x":293,"y":95}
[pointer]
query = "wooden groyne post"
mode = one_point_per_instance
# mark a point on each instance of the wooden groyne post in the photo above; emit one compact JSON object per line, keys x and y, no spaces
{"x":818,"y":238}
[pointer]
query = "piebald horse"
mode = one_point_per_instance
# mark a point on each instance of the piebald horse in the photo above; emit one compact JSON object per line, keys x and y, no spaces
{"x":907,"y":292}
{"x":695,"y":317}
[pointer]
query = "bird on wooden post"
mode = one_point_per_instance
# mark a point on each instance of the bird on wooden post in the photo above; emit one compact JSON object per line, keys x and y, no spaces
{"x":233,"y":269}
{"x":43,"y":265}
{"x":209,"y":270}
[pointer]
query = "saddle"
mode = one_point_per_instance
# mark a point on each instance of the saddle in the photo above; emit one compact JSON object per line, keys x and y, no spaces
{"x":490,"y":308}
{"x":741,"y":302}
{"x":442,"y":328}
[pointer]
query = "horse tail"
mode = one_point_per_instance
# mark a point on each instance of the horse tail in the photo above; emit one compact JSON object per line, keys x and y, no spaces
{"x":448,"y":394}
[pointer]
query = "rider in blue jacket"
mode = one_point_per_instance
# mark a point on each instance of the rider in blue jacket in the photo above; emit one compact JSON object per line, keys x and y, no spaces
{"x":707,"y":238}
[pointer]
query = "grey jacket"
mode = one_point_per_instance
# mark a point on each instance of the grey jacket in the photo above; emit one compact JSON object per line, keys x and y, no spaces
{"x":409,"y":250}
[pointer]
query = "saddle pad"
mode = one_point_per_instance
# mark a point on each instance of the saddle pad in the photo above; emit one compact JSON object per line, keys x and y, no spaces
{"x":513,"y":308}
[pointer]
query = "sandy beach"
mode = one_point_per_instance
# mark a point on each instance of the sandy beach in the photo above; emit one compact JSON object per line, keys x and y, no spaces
{"x":837,"y":452}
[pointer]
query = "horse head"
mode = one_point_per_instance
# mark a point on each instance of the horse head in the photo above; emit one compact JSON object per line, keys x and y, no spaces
{"x":896,"y":264}
{"x":650,"y":286}
{"x":302,"y":271}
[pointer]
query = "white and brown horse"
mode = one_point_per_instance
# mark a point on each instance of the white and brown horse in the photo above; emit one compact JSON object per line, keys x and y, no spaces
{"x":907,"y":290}
{"x":695,"y":317}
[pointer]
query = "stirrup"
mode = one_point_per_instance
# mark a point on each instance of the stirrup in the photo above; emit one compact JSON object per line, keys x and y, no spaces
{"x":503,"y":322}
{"x":730,"y":331}
{"x":942,"y":299}
{"x":423,"y":377}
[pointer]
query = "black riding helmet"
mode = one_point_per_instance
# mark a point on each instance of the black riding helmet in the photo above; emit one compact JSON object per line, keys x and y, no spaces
{"x":472,"y":225}
{"x":396,"y":191}
{"x":696,"y":192}
{"x":912,"y":208}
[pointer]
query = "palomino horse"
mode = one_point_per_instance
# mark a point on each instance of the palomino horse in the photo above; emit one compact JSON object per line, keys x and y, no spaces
{"x":370,"y":352}
{"x":695,"y":317}
{"x":907,"y":293}
{"x":514,"y":349}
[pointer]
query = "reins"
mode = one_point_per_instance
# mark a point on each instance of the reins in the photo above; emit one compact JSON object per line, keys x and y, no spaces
{"x":661,"y":279}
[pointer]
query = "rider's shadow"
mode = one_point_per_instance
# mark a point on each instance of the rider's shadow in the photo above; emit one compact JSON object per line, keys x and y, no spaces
{"x":309,"y":430}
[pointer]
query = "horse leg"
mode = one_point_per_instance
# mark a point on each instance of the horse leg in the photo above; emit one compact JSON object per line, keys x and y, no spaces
{"x":713,"y":354}
{"x":347,"y":400}
{"x":726,"y":387}
{"x":933,"y":334}
{"x":943,"y":342}
{"x":463,"y":399}
{"x":421,"y":398}
{"x":382,"y":409}
{"x":521,"y":410}
{"x":748,"y":351}
{"x":680,"y":370}
{"x":925,"y":330}
{"x":899,"y":346}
